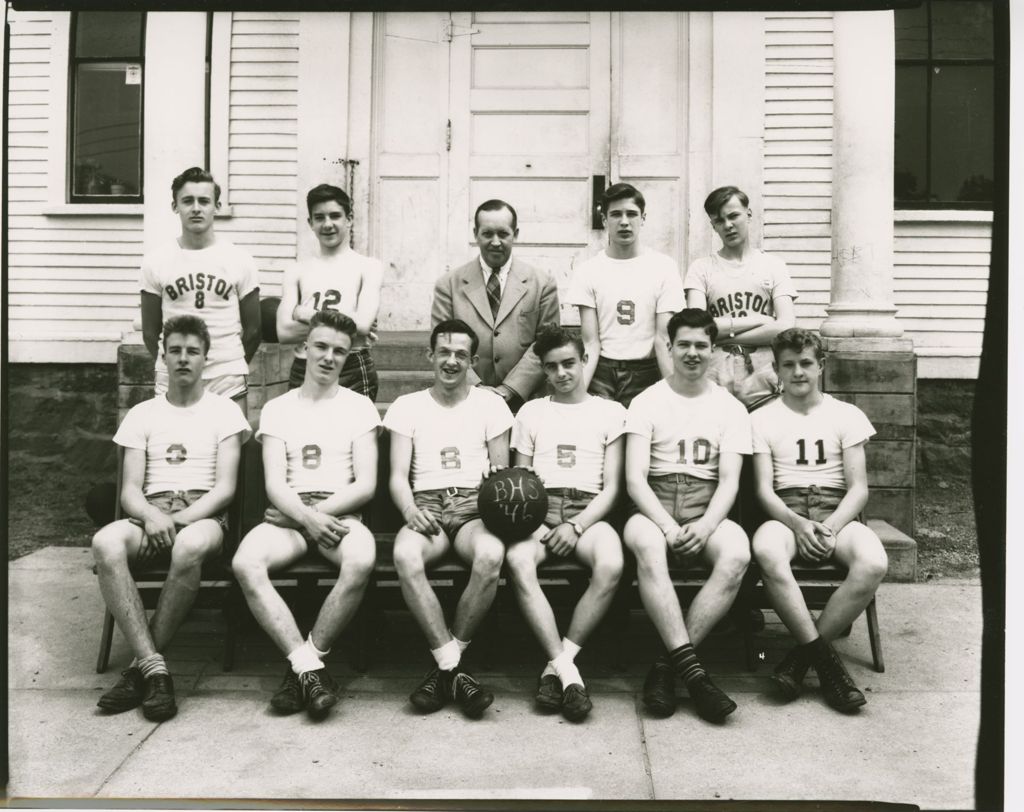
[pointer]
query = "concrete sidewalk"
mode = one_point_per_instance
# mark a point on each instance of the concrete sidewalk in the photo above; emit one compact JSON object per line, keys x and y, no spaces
{"x":913,"y":743}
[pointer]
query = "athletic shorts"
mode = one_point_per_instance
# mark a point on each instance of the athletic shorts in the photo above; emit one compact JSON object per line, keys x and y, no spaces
{"x":685,"y":497}
{"x":450,"y":507}
{"x":812,"y":502}
{"x":565,"y":504}
{"x":173,"y":501}
{"x":230,"y":386}
{"x":358,"y":374}
{"x":747,"y":373}
{"x":312,"y":497}
{"x":622,"y":381}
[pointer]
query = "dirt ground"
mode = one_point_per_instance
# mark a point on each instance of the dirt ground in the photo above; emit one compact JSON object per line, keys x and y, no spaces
{"x":47,"y":506}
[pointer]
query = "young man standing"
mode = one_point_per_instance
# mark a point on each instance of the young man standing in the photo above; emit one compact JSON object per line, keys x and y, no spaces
{"x":750,"y":295}
{"x":812,"y":481}
{"x":337,"y":278}
{"x":574,"y":441}
{"x":200,"y":274}
{"x":320,"y":466}
{"x":181,"y":452}
{"x":444,"y":440}
{"x":626,"y":295}
{"x":686,"y":441}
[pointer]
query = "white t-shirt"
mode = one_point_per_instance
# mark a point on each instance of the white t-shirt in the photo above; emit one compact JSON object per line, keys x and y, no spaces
{"x":318,"y":436}
{"x":334,"y":283}
{"x":627,"y":294}
{"x":688,"y":434}
{"x":449,"y":445}
{"x":181,"y":441}
{"x":567,"y":440}
{"x":208,"y":283}
{"x":807,"y":449}
{"x":740,"y":288}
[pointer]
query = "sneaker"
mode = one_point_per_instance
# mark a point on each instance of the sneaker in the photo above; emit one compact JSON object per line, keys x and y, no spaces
{"x":659,"y":695}
{"x":158,"y":703}
{"x":836,"y":683}
{"x":549,"y":693}
{"x":469,"y":695}
{"x":127,"y":694}
{"x":711,"y":702}
{"x":429,"y":695}
{"x":789,"y":674}
{"x":576,"y":703}
{"x":318,"y":691}
{"x":289,"y":697}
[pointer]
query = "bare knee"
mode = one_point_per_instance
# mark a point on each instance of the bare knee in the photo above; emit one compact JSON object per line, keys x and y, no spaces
{"x":191,"y":550}
{"x":870,"y":569}
{"x":359,"y":555}
{"x":770,"y":549}
{"x":408,"y":558}
{"x":248,"y":570}
{"x":734,"y":555}
{"x":488,"y":555}
{"x":108,"y":547}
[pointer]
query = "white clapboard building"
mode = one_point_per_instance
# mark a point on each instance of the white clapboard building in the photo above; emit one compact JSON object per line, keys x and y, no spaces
{"x":424,"y":115}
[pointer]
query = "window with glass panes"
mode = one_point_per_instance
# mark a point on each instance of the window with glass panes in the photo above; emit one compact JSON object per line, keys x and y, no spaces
{"x":106,"y":80}
{"x":944,"y":105}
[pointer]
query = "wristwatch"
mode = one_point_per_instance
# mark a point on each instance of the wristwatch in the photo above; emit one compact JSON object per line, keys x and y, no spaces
{"x":577,"y":527}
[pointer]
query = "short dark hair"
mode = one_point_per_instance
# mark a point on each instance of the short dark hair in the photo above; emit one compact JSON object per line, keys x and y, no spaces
{"x":622,"y":191}
{"x":797,"y":339}
{"x":325,"y":192}
{"x":194,"y":174}
{"x":187,"y":325}
{"x":692,"y":317}
{"x":494,"y":205}
{"x":454,"y":326}
{"x":334,"y":319}
{"x":718,"y":198}
{"x":552,"y":337}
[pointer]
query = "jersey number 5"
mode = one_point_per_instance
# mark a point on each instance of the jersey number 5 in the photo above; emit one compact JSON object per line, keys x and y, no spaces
{"x":566,"y":456}
{"x":626,"y":309}
{"x":450,"y":458}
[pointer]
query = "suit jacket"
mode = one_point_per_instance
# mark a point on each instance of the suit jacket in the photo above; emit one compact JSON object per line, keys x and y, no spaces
{"x":530,"y":300}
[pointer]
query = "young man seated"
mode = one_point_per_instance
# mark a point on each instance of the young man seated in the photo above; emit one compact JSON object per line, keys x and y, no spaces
{"x":574,"y":441}
{"x":444,"y":440}
{"x":812,"y":481}
{"x":181,"y":452}
{"x":684,"y":450}
{"x":320,"y":465}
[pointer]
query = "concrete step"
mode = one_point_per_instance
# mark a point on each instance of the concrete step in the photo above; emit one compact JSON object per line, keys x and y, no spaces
{"x":400,"y":382}
{"x":402,"y":350}
{"x":901,"y":549}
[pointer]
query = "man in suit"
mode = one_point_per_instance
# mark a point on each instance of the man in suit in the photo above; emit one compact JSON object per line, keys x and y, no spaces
{"x":505,"y":301}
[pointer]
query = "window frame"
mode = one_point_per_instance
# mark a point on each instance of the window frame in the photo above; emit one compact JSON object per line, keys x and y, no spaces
{"x":73,"y":63}
{"x":928,"y":62}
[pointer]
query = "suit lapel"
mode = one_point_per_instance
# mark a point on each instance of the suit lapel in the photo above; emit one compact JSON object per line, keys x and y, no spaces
{"x":515,"y":289}
{"x":472,"y":281}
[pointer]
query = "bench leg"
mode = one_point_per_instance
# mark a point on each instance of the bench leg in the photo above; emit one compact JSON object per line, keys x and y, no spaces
{"x":233,"y":601}
{"x":106,"y":640}
{"x":875,"y":637}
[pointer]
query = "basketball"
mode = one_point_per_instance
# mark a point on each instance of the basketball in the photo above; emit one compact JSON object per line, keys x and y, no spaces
{"x":512,"y":503}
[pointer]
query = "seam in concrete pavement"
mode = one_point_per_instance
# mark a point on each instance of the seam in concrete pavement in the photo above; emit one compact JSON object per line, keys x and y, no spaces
{"x":648,"y":772}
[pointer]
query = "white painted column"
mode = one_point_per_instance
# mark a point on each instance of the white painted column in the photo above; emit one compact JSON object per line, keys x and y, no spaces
{"x":175,"y":113}
{"x":861,"y":301}
{"x":323,"y":101}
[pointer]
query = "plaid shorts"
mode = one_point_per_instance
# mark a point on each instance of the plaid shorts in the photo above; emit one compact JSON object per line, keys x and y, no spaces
{"x":685,"y":497}
{"x":358,"y":374}
{"x":451,"y":507}
{"x":565,"y":504}
{"x":812,"y":502}
{"x":747,"y":373}
{"x":622,"y":381}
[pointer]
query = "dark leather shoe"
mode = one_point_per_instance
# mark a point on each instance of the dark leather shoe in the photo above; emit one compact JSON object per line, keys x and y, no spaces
{"x":469,"y":695}
{"x":549,"y":693}
{"x":789,"y":674}
{"x":576,"y":703}
{"x":318,"y":691}
{"x":659,"y":696}
{"x":712,"y":703}
{"x":289,"y":697}
{"x":430,"y":695}
{"x":126,"y":694}
{"x":836,"y":683}
{"x":158,"y":703}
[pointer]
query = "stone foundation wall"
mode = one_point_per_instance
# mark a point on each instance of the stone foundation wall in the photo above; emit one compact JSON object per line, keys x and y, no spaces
{"x":944,"y":428}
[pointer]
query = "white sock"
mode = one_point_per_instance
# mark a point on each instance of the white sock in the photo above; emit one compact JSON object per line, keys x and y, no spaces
{"x":448,"y":655}
{"x":570,"y":647}
{"x":564,"y":666}
{"x":463,"y":644}
{"x":153,"y":664}
{"x":305,"y":658}
{"x":549,"y":669}
{"x":318,"y":652}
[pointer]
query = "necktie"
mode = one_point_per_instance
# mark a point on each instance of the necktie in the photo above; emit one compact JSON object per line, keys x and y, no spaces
{"x":494,"y":291}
